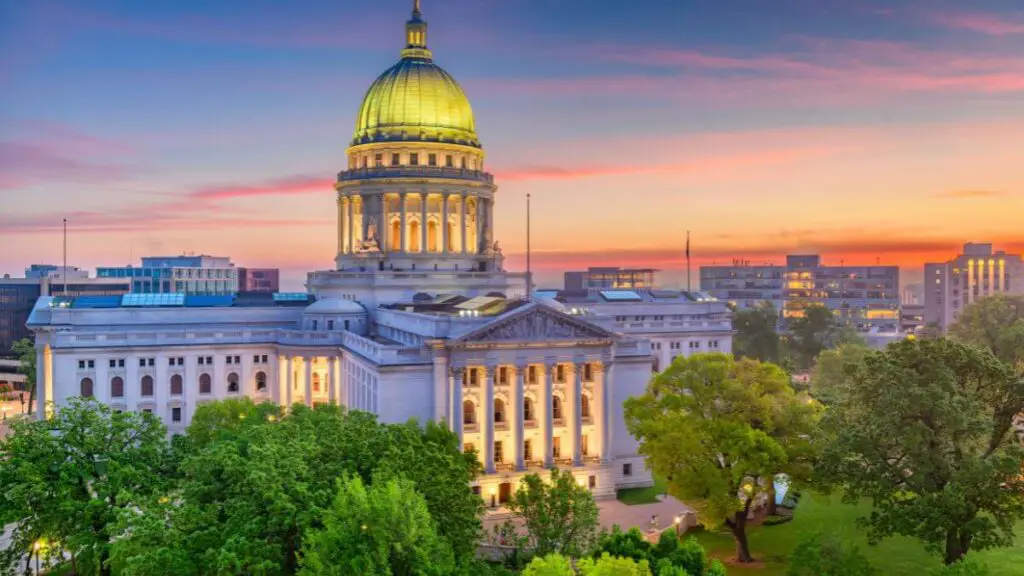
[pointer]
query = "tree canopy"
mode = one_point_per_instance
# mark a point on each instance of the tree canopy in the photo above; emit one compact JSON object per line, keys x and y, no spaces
{"x":25,"y":350}
{"x":560,"y":515}
{"x":830,"y":374}
{"x":756,"y":334}
{"x":923,"y":430}
{"x":814,"y":332}
{"x":719,"y":430}
{"x":68,"y":479}
{"x":997,"y":323}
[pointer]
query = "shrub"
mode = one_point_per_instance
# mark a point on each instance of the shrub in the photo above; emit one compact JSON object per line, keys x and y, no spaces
{"x":826,"y":556}
{"x":964,"y":567}
{"x":690,"y":556}
{"x":775,"y":520}
{"x":629,"y":544}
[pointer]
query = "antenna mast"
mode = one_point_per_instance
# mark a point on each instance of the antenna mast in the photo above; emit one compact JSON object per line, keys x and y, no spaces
{"x":65,"y":257}
{"x":529,"y":274}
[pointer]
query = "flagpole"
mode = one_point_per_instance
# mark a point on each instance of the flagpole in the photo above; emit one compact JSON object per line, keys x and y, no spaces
{"x":688,"y":288}
{"x":65,"y":257}
{"x":529,"y":277}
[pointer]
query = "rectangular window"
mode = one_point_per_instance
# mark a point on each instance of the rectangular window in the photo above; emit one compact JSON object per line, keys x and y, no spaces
{"x":209,"y":360}
{"x":556,"y":447}
{"x":170,"y":361}
{"x":588,"y":372}
{"x":142,"y":362}
{"x":330,"y":324}
{"x":81,"y":364}
{"x":414,"y":159}
{"x":449,"y":161}
{"x":113,"y":363}
{"x":498,"y":451}
{"x":462,"y":162}
{"x":503,"y":375}
{"x":229,"y":359}
{"x":202,"y":361}
{"x":560,"y":373}
{"x":396,"y":159}
{"x":627,"y":469}
{"x":152,"y":361}
{"x":432,"y":159}
{"x":120,"y":362}
{"x":378,"y":160}
{"x":583,"y":444}
{"x":256,"y":359}
{"x":532,"y":374}
{"x":527,"y":450}
{"x":263,"y":359}
{"x":592,"y":481}
{"x":473,"y":378}
{"x":92,"y":364}
{"x":238,"y":359}
{"x":175,"y":414}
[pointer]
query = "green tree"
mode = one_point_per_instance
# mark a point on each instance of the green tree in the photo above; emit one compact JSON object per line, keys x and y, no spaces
{"x":924,"y":432}
{"x":829,"y":374}
{"x":930,"y":331}
{"x":756,"y":334}
{"x":549,"y":565}
{"x":560,"y":516}
{"x":25,"y":350}
{"x":381,"y":530}
{"x":997,"y":323}
{"x":814,"y":332}
{"x":819,"y":555}
{"x":719,"y":430}
{"x":611,"y":566}
{"x":964,"y":567}
{"x":624,"y":544}
{"x":254,"y":483}
{"x":69,"y":478}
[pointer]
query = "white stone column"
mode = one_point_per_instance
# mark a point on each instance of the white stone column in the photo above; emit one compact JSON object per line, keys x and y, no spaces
{"x":290,"y":372}
{"x":608,"y":383}
{"x":42,"y":386}
{"x":282,"y":381}
{"x":332,"y":390}
{"x":341,"y":226}
{"x":351,"y":228}
{"x":308,"y":362}
{"x":462,"y":222}
{"x":598,"y":412}
{"x":444,"y":222}
{"x":457,"y":376}
{"x":549,"y":386}
{"x":423,"y":222}
{"x":489,"y":419}
{"x":481,"y":210}
{"x":575,"y":420}
{"x":384,"y":231}
{"x":518,"y":424}
{"x":405,"y":222}
{"x":440,"y":385}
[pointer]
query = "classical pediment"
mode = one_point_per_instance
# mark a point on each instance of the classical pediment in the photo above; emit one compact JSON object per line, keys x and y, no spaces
{"x":536,"y":323}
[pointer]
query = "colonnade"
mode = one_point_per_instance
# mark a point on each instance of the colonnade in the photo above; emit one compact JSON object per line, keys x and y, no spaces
{"x":415,"y":222}
{"x":545,"y":388}
{"x":296,"y":370}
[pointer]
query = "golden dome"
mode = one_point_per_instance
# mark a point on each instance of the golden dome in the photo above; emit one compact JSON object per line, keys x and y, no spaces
{"x":415,"y":100}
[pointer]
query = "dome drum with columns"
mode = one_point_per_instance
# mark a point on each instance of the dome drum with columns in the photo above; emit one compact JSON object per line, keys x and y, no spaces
{"x":415,"y":196}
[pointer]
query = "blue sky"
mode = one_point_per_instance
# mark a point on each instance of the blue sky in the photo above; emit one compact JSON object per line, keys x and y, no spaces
{"x":856,"y":129}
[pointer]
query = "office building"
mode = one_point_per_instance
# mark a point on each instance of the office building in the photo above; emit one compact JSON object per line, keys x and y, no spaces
{"x":209,"y":275}
{"x":977,"y":272}
{"x":599,"y":278}
{"x":259,"y":280}
{"x":865,"y":296}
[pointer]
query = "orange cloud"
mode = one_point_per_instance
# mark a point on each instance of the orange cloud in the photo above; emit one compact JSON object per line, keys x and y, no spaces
{"x":960,"y":194}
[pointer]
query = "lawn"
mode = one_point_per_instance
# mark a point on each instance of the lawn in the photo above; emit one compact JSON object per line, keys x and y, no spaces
{"x":896,"y":556}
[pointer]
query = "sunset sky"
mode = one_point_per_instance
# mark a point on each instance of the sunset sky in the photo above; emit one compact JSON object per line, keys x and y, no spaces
{"x":869,"y":131}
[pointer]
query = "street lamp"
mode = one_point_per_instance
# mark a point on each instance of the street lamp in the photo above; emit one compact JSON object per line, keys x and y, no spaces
{"x":678,"y":521}
{"x":37,"y":547}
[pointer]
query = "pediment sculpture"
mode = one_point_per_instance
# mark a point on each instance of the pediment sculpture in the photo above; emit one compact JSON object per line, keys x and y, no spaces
{"x":536,"y":325}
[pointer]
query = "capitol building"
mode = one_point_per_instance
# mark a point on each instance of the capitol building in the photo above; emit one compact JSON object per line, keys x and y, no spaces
{"x":418,"y":318}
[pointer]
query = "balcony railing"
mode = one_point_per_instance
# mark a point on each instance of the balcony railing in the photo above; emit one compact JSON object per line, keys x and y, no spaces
{"x":587,"y":420}
{"x":529,"y":423}
{"x":414,"y":172}
{"x":557,"y":422}
{"x":501,"y":426}
{"x":474,"y":427}
{"x":505,"y":467}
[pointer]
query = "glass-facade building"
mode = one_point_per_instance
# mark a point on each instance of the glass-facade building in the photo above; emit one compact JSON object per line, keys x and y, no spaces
{"x":186,"y":274}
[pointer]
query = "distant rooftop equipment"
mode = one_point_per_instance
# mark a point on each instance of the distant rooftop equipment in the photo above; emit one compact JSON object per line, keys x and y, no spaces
{"x":97,"y":302}
{"x":444,"y":298}
{"x":666,"y":293}
{"x":545,"y":293}
{"x":478,"y":303}
{"x":620,"y":296}
{"x":209,"y":301}
{"x":137,"y":300}
{"x":291,"y":297}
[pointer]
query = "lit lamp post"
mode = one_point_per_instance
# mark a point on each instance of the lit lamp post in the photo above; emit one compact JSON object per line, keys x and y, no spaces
{"x":678,"y":521}
{"x":37,"y":547}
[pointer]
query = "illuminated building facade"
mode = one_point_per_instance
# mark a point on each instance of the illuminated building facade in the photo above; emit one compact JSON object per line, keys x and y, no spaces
{"x":867,"y":297}
{"x":978,"y":272}
{"x":417,"y":319}
{"x":598,"y":278}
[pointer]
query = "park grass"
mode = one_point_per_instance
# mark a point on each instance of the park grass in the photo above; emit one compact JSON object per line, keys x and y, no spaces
{"x":896,"y":556}
{"x":633,"y":496}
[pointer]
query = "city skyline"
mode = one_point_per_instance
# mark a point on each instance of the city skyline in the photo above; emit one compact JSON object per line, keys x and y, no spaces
{"x":864,"y":132}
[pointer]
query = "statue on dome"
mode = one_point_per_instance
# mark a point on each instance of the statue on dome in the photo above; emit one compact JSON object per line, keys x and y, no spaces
{"x":370,"y":244}
{"x":497,"y":247}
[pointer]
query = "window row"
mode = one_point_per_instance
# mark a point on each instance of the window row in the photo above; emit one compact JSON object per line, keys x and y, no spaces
{"x":556,"y":449}
{"x":504,"y":374}
{"x":416,"y":159}
{"x":176,"y":385}
{"x":500,"y":416}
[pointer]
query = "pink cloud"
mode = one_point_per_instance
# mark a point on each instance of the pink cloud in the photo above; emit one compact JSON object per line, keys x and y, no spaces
{"x":989,"y":24}
{"x":291,"y":185}
{"x":23,"y":164}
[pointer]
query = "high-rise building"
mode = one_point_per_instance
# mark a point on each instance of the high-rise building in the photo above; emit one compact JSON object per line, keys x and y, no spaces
{"x":866,"y":296}
{"x":18,"y":295}
{"x":977,"y":272}
{"x":259,"y":279}
{"x":598,"y":278}
{"x":209,"y":275}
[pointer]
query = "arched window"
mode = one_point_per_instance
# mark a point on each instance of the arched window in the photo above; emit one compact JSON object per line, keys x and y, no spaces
{"x":556,"y":407}
{"x":176,"y":385}
{"x":451,"y":235}
{"x":527,"y":409}
{"x":396,"y":236}
{"x":316,"y":381}
{"x":414,"y":236}
{"x":116,"y":387}
{"x":432,"y":240}
{"x":261,"y":382}
{"x":147,"y":386}
{"x":584,"y":406}
{"x":499,"y":410}
{"x":205,"y":384}
{"x":468,"y":412}
{"x":233,"y":383}
{"x":86,"y":388}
